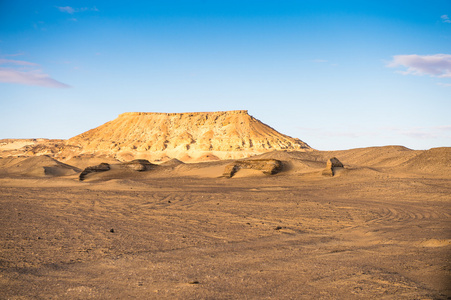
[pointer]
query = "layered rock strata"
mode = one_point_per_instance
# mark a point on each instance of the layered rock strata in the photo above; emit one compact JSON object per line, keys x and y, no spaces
{"x":229,"y":134}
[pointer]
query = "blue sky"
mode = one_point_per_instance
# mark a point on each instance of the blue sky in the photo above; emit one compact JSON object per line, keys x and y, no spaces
{"x":336,"y":74}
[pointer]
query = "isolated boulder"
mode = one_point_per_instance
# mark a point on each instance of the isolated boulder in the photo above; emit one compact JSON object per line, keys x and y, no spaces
{"x":332,"y":163}
{"x":267,"y":166}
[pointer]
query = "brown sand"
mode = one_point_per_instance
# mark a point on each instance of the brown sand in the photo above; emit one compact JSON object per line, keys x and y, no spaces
{"x":379,"y":229}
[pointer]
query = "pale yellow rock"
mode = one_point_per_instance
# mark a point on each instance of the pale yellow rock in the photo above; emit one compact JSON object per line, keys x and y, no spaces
{"x":226,"y":134}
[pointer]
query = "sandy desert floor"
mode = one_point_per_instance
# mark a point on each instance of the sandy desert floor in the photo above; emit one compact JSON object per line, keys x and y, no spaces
{"x":363,"y":234}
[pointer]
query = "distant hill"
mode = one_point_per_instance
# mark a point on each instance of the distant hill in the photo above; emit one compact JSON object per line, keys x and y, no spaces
{"x":225,"y":134}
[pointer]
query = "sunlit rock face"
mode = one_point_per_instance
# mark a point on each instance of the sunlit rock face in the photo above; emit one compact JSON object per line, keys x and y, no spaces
{"x":225,"y":134}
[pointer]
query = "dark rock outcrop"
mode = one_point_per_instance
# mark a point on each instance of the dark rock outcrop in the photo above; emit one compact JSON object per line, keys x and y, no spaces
{"x":138,"y":165}
{"x":103,"y":167}
{"x":267,"y":166}
{"x":332,"y":163}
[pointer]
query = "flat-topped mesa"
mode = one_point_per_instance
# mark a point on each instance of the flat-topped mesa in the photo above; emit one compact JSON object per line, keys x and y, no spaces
{"x":194,"y":133}
{"x":229,"y":112}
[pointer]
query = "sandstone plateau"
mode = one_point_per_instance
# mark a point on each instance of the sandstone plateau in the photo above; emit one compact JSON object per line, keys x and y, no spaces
{"x":227,"y":134}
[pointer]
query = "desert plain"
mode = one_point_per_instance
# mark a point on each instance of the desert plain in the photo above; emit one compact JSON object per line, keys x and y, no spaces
{"x":379,"y":228}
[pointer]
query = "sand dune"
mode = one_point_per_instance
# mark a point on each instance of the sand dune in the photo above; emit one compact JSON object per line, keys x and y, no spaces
{"x":387,"y":156}
{"x":432,"y":161}
{"x":39,"y":166}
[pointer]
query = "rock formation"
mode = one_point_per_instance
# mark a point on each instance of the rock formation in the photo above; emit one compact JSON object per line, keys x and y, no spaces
{"x":103,"y":167}
{"x":332,"y":163}
{"x":139,"y":165}
{"x":267,"y":166}
{"x":230,"y":134}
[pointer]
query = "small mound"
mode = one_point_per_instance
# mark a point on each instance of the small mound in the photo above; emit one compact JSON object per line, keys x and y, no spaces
{"x":379,"y":157}
{"x":172,"y":163}
{"x":185,"y":158}
{"x":212,"y":169}
{"x":432,"y":161}
{"x":85,"y":160}
{"x":138,"y":165}
{"x":207,"y":157}
{"x":296,"y":161}
{"x":7,"y":162}
{"x":434,"y":243}
{"x":42,"y":166}
{"x":125,"y":156}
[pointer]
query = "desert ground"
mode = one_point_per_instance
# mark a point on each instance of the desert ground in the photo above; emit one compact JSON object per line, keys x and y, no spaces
{"x":378,"y":229}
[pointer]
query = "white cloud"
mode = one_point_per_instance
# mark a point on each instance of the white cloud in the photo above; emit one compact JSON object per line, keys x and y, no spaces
{"x":29,"y":78}
{"x":87,"y":8}
{"x":319,"y":60}
{"x":339,"y":132}
{"x":418,"y":134}
{"x":445,"y":19}
{"x":438,"y":65}
{"x":17,"y":73}
{"x":444,"y":84}
{"x":16,"y":62}
{"x":423,"y":132}
{"x":71,"y":10}
{"x":14,"y":54}
{"x":66,"y":9}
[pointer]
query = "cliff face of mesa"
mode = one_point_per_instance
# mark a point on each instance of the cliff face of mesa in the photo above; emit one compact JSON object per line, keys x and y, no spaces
{"x":219,"y":133}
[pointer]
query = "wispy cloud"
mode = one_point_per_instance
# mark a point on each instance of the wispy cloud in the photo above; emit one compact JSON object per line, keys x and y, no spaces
{"x":438,"y":65}
{"x":24,"y":72}
{"x":417,"y":134}
{"x":338,"y":132}
{"x":423,"y":132}
{"x":16,"y":62}
{"x":66,"y":9}
{"x":88,"y":8}
{"x":445,"y":19}
{"x":14,"y":54}
{"x":319,"y":60}
{"x":445,"y":127}
{"x":444,"y":84}
{"x":71,"y":10}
